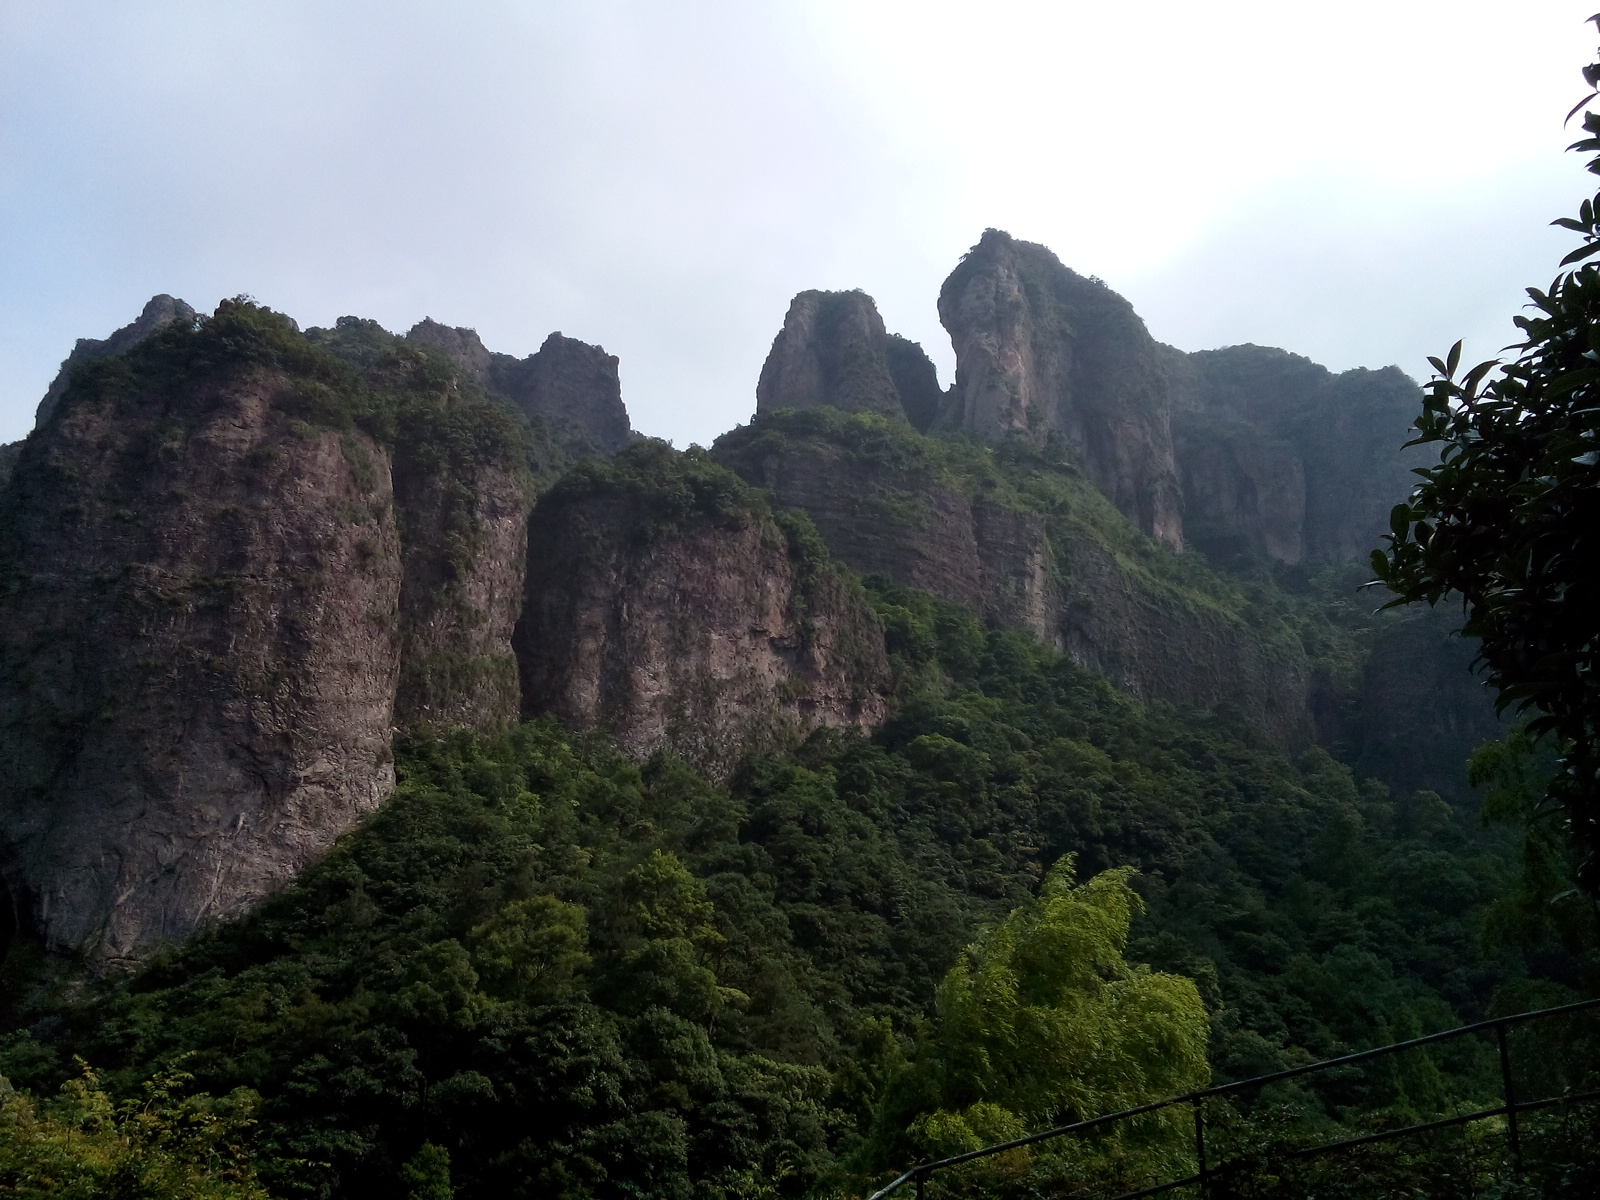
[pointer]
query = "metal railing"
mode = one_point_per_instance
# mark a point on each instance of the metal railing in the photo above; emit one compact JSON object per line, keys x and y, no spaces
{"x":1510,"y":1109}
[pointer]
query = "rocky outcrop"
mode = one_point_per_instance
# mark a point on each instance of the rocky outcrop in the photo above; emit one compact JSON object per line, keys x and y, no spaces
{"x":832,"y":350}
{"x":883,"y":504}
{"x":1040,"y":352}
{"x":233,"y":568}
{"x":160,"y":311}
{"x":569,"y":387}
{"x":1062,"y":565}
{"x":197,"y":646}
{"x":1280,"y":456}
{"x":573,"y":386}
{"x":666,"y":605}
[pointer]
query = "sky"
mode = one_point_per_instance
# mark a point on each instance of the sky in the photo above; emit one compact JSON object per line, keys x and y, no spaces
{"x":1362,"y":183}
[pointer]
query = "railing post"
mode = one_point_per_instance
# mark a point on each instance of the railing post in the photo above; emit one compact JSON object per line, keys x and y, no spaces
{"x":920,"y":1178}
{"x":1200,"y":1149}
{"x":1511,"y":1098}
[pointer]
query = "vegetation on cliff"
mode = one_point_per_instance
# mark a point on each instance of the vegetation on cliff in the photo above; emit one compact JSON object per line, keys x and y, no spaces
{"x":577,"y":976}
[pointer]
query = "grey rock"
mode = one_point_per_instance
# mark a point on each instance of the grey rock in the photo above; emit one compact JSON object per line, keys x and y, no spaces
{"x":197,"y":660}
{"x":1042,"y":351}
{"x":711,"y":633}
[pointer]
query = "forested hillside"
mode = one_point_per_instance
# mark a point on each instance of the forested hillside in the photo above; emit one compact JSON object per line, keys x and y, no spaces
{"x":415,"y":784}
{"x":581,"y":976}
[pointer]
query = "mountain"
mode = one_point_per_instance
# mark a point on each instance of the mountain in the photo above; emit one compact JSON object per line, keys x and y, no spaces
{"x":388,"y":730}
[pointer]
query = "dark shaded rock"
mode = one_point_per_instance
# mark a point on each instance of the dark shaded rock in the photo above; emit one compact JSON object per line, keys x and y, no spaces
{"x":1064,"y":566}
{"x":1421,"y":712}
{"x":574,"y":387}
{"x":569,"y":389}
{"x":917,"y":380}
{"x":832,"y":350}
{"x":1040,"y":352}
{"x":1252,"y":419}
{"x":1243,"y":490}
{"x":878,"y":499}
{"x":161,"y":310}
{"x":668,"y":606}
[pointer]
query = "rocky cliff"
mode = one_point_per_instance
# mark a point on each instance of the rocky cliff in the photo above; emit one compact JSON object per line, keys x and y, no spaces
{"x":233,"y":567}
{"x":239,"y":559}
{"x":666,"y":605}
{"x":1042,"y":351}
{"x":1248,"y":451}
{"x":834,"y":351}
{"x":569,"y":388}
{"x":197,"y":639}
{"x":1280,"y":456}
{"x":160,"y":311}
{"x":1028,"y":541}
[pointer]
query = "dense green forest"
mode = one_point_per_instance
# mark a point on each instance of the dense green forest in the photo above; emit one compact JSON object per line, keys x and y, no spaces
{"x":543,"y":970}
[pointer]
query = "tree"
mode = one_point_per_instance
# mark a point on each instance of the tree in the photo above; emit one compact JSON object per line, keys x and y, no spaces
{"x":1508,"y":520}
{"x":1043,"y":1022}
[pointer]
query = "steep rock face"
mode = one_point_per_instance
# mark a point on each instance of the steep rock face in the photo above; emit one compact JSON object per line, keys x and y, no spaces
{"x":832,"y":350}
{"x":1159,"y":643}
{"x":1241,"y":488}
{"x":1032,"y":546}
{"x":1040,"y":350}
{"x":884,"y":505}
{"x":233,"y":568}
{"x":462,"y":491}
{"x":197,"y":651}
{"x":568,"y":387}
{"x":665,"y":604}
{"x":917,"y":381}
{"x":574,"y":386}
{"x":160,"y":311}
{"x":1020,"y":586}
{"x":1282,"y":456}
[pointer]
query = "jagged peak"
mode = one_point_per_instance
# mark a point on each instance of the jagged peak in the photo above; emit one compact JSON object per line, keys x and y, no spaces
{"x":159,"y":311}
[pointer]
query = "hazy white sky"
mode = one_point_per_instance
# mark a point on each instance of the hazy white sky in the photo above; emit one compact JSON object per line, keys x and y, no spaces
{"x":1360,"y":182}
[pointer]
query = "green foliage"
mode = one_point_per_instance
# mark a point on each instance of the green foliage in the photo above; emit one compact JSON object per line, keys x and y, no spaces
{"x":1506,"y":520}
{"x":427,"y":1176}
{"x":668,"y":486}
{"x":579,"y":977}
{"x":1043,"y":1022}
{"x":162,"y":1145}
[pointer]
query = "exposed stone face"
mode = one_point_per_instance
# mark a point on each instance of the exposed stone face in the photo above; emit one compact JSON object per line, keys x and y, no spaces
{"x":570,"y":387}
{"x":461,"y":595}
{"x":1113,"y":623}
{"x":917,"y":380}
{"x":1284,"y":456}
{"x":160,"y":311}
{"x":909,"y":526}
{"x":710,"y":630}
{"x":573,"y":386}
{"x":1239,"y":485}
{"x":197,"y":657}
{"x":1018,"y":570}
{"x":883,"y":504}
{"x":461,"y":346}
{"x":832,"y":350}
{"x":1042,"y":351}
